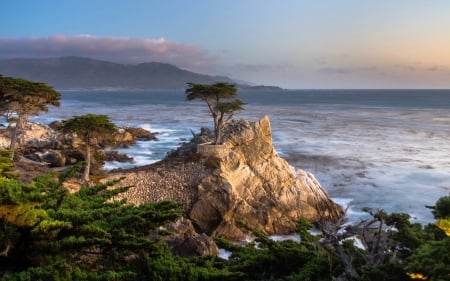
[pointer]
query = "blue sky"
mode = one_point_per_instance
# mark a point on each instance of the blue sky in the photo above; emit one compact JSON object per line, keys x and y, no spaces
{"x":290,"y":43}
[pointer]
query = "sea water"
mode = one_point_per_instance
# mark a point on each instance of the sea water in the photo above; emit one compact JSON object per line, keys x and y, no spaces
{"x":381,"y":149}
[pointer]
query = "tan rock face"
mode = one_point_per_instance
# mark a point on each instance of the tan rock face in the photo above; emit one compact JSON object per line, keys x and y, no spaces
{"x":253,"y":184}
{"x":242,"y":180}
{"x":36,"y":135}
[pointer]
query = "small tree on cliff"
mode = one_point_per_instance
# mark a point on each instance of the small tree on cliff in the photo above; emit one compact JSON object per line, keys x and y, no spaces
{"x":221,"y":101}
{"x":20,"y":98}
{"x":92,"y":129}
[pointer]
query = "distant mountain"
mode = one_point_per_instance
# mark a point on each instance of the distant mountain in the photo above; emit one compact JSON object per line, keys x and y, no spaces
{"x":85,"y":73}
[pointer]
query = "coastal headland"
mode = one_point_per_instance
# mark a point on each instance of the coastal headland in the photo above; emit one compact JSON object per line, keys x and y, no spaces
{"x":220,"y":186}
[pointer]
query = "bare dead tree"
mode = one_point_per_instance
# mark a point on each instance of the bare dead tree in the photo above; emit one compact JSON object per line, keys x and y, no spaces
{"x":374,"y":235}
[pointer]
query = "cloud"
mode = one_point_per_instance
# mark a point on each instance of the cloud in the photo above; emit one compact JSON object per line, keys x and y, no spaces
{"x":347,"y":70}
{"x":244,"y":67}
{"x":117,"y":49}
{"x":335,"y":70}
{"x":405,"y":67}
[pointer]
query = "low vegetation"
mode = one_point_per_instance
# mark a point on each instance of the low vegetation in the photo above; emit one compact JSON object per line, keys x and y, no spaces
{"x":47,"y":233}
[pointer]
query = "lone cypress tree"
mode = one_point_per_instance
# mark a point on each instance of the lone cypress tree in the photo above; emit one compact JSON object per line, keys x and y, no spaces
{"x":221,"y":102}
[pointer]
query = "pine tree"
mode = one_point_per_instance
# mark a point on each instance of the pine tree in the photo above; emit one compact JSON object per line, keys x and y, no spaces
{"x":92,"y":129}
{"x":20,"y":98}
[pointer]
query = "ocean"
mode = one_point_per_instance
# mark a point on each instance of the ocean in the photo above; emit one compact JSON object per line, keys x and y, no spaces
{"x":381,"y":149}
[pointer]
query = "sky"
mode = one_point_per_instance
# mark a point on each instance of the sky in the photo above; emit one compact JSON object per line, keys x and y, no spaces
{"x":295,"y":44}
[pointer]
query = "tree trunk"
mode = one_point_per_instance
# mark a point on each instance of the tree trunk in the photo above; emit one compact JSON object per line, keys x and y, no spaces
{"x":87,"y":169}
{"x":17,"y":131}
{"x":216,"y":129}
{"x":218,"y":136}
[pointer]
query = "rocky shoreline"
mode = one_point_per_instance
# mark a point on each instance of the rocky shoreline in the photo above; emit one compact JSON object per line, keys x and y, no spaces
{"x":243,"y":180}
{"x":41,"y":148}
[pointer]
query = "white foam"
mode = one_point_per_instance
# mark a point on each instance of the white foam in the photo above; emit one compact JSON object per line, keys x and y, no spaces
{"x":294,"y":237}
{"x":224,"y":254}
{"x":382,"y":158}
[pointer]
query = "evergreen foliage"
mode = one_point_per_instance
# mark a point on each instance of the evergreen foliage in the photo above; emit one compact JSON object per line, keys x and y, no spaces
{"x":47,"y":233}
{"x":221,"y":102}
{"x":92,"y":129}
{"x":432,"y":257}
{"x":20,"y":98}
{"x":6,"y":164}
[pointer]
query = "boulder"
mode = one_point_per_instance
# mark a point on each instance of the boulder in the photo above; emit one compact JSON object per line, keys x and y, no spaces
{"x":185,"y":242}
{"x":128,"y":135}
{"x":251,"y":183}
{"x":35,"y":135}
{"x":54,"y":158}
{"x":141,"y":134}
{"x":114,"y":155}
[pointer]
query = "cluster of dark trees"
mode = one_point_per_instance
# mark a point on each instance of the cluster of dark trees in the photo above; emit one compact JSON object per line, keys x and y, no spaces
{"x":47,"y":233}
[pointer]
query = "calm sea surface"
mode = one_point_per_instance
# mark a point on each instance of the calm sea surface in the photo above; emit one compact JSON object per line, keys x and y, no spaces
{"x":383,"y":149}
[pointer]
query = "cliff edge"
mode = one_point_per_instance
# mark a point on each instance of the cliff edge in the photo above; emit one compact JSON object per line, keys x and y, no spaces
{"x":242,"y":180}
{"x":253,"y":184}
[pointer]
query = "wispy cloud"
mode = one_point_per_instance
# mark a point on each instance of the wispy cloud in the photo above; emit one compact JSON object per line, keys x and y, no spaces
{"x":347,"y":70}
{"x":245,"y":67}
{"x":407,"y":67}
{"x":118,"y":49}
{"x":335,"y":70}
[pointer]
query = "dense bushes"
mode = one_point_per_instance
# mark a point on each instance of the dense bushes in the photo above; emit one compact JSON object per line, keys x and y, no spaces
{"x":47,"y":233}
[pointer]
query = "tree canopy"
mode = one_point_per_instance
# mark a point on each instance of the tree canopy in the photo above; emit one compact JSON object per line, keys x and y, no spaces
{"x":221,"y":102}
{"x":92,"y":129}
{"x":20,"y":98}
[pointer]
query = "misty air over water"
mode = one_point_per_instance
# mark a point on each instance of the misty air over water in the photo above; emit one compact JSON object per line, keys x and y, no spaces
{"x":382,"y":149}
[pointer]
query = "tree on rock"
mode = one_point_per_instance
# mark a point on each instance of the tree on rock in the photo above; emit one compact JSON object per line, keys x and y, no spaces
{"x":221,"y":101}
{"x":92,"y":129}
{"x":20,"y":98}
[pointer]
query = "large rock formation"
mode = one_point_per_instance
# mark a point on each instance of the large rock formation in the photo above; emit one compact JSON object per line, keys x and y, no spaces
{"x":253,"y":184}
{"x":242,"y":180}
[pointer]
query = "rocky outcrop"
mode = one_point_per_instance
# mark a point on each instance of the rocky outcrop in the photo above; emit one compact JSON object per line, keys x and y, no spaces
{"x":253,"y":184}
{"x":184,"y":241}
{"x":35,"y":135}
{"x":242,"y":180}
{"x":42,"y":143}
